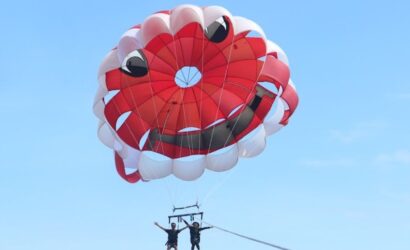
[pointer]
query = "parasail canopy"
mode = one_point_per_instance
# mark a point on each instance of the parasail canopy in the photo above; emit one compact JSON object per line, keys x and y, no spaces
{"x":190,"y":89}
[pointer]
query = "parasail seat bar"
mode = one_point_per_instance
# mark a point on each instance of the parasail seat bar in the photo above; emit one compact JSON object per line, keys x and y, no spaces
{"x":190,"y":215}
{"x":181,"y":208}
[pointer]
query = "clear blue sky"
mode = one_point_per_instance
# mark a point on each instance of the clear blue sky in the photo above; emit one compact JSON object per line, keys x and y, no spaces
{"x":336,"y":178}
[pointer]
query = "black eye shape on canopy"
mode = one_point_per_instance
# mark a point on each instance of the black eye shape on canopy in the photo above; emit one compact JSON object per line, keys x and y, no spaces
{"x":135,"y":64}
{"x":218,"y":30}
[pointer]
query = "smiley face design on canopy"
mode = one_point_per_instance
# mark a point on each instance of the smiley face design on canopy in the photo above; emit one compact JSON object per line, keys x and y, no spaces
{"x":191,"y":89}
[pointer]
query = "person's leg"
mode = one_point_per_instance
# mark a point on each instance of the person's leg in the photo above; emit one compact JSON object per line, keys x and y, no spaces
{"x":195,"y":243}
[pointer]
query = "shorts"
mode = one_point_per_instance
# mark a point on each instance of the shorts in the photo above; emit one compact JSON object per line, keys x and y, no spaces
{"x":195,"y":241}
{"x":172,"y":244}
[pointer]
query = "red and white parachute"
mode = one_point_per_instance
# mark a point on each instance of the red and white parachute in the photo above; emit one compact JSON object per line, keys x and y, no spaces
{"x":191,"y":89}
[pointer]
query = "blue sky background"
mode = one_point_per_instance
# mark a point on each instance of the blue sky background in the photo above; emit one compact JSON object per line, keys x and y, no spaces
{"x":336,"y":178}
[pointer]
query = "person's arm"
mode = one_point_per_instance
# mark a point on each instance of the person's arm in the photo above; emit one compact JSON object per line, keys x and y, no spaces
{"x":158,"y":225}
{"x":183,"y":228}
{"x":186,"y":223}
{"x":203,"y":228}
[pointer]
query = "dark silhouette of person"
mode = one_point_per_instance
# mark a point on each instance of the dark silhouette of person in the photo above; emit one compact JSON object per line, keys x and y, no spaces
{"x":195,"y":231}
{"x":172,"y":241}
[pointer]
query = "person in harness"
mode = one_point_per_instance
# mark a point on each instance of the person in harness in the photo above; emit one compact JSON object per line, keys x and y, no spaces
{"x":172,"y":241}
{"x":195,"y":230}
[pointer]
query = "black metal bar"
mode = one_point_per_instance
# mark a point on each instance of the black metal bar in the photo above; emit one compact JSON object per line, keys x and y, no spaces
{"x":180,"y":216}
{"x":181,"y":208}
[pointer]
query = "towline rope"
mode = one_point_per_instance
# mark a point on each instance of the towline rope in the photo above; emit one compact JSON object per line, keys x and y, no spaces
{"x":247,"y":237}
